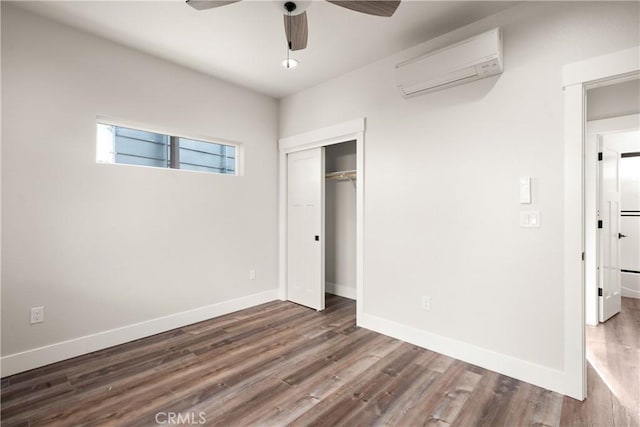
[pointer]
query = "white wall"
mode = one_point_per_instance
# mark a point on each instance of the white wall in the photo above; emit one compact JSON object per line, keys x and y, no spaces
{"x":107,"y":246}
{"x":340,"y":222}
{"x":616,"y":100}
{"x":441,"y":187}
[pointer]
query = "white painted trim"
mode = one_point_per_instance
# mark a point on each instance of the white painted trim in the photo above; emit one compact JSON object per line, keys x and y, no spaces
{"x":165,"y":130}
{"x":574,"y":322}
{"x":30,"y":359}
{"x":614,"y":124}
{"x":342,"y":132}
{"x":601,"y":67}
{"x":630,"y":293}
{"x":320,"y":137}
{"x":341,"y":290}
{"x":282,"y":225}
{"x":595,"y":130}
{"x":523,"y":370}
{"x":576,"y":77}
{"x":360,"y":217}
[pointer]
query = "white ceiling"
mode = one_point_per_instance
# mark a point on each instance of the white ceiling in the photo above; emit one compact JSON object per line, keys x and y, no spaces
{"x":244,"y":42}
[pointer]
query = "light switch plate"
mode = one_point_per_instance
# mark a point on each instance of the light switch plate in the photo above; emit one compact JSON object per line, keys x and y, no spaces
{"x":525,"y":190}
{"x":530,"y":219}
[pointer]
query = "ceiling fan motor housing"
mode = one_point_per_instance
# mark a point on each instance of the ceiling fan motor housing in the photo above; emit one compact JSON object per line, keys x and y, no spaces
{"x":293,"y":7}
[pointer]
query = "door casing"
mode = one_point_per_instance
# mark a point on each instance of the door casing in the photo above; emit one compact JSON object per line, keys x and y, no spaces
{"x":352,"y":130}
{"x":576,"y":78}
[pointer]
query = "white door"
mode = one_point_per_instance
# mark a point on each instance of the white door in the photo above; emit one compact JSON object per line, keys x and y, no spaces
{"x":610,"y":300}
{"x":305,"y":228}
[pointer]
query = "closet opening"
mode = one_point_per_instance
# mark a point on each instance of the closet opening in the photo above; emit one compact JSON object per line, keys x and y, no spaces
{"x":340,"y":219}
{"x":321,"y":218}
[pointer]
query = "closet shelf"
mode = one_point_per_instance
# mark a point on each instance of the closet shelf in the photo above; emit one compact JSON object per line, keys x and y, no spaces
{"x":342,"y":175}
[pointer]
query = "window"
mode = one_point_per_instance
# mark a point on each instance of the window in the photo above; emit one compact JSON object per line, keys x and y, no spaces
{"x":117,"y":144}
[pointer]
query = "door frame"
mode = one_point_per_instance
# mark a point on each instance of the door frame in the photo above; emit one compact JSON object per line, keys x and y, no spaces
{"x":323,"y":137}
{"x":595,"y":130}
{"x":576,"y":79}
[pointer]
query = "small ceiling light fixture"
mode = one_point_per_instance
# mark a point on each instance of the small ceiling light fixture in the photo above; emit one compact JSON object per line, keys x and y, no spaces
{"x":289,"y":62}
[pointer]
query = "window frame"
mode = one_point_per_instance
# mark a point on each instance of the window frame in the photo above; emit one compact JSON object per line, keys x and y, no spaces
{"x":174,"y":135}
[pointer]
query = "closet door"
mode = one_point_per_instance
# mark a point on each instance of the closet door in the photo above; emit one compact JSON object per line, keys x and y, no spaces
{"x":305,"y":228}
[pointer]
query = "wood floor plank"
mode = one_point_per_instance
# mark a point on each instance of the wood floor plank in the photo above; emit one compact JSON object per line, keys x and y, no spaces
{"x":547,"y":408}
{"x":575,"y":413}
{"x":208,"y":385}
{"x":613,"y":352}
{"x":148,"y":378}
{"x":79,"y":362}
{"x":352,"y":397}
{"x":52,"y":411}
{"x":480,"y":402}
{"x":422,"y":412}
{"x":283,"y":364}
{"x":454,"y":399}
{"x":398,"y":389}
{"x":308,"y":355}
{"x":14,"y":407}
{"x":189,"y":377}
{"x":24,"y":388}
{"x":323,"y":384}
{"x":397,"y":410}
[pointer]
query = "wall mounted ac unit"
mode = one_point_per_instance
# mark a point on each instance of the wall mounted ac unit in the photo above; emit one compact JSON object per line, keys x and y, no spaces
{"x":466,"y":61}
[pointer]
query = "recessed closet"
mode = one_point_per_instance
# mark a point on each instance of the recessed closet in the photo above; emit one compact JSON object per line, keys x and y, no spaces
{"x":321,"y":214}
{"x":340,"y":219}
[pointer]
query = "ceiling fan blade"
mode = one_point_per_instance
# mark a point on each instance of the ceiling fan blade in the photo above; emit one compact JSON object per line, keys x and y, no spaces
{"x":296,"y":30}
{"x":209,"y":4}
{"x":370,"y":7}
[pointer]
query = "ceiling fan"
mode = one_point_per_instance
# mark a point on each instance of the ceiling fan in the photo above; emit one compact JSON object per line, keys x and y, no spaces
{"x":295,"y":17}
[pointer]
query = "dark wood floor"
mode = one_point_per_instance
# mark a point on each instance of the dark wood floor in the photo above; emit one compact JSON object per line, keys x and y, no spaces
{"x":282,"y":364}
{"x":613,"y":349}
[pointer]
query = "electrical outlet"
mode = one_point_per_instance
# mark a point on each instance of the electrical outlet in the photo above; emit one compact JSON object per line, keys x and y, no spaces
{"x":426,"y":302}
{"x":252,"y":274}
{"x":37,"y":315}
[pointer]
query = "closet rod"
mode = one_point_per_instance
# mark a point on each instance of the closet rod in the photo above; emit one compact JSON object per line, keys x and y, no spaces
{"x":342,"y":175}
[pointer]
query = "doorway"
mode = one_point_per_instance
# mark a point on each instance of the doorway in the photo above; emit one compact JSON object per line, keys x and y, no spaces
{"x":325,"y":139}
{"x":611,"y":243}
{"x":579,"y":77}
{"x":612,"y":240}
{"x":341,"y":184}
{"x":321,"y":224}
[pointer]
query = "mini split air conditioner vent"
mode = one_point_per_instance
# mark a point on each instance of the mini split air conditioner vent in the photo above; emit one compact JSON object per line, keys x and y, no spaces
{"x":466,"y":61}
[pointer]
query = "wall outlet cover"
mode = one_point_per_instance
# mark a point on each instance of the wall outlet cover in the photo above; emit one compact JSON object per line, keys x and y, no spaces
{"x":37,"y":315}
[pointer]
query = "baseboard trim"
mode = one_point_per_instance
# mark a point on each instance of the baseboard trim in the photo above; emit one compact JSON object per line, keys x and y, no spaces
{"x":41,"y":356}
{"x":340,"y":290}
{"x":523,"y":370}
{"x":630,"y":293}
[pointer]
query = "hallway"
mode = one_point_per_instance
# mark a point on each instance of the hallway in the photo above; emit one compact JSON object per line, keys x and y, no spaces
{"x":613,"y":351}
